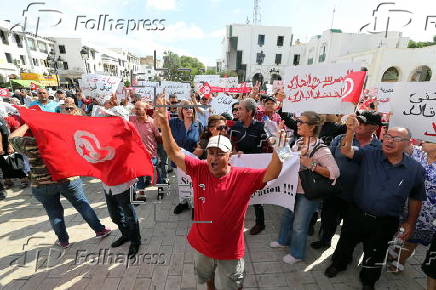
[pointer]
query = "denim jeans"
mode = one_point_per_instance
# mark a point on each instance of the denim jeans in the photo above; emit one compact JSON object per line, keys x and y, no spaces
{"x":145,"y":181}
{"x":49,"y":195}
{"x":294,"y":225}
{"x":123,"y":214}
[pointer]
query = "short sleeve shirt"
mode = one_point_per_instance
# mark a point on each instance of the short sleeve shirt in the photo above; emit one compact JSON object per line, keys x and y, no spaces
{"x":187,"y":139}
{"x":51,"y":106}
{"x":148,"y":133}
{"x":221,"y":204}
{"x":383,"y":188}
{"x":248,"y":140}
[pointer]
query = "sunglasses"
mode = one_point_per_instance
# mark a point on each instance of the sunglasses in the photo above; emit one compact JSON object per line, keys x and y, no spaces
{"x":173,"y":103}
{"x":69,"y":109}
{"x":221,"y":128}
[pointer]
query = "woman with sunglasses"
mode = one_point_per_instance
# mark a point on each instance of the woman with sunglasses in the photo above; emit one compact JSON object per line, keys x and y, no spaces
{"x":216,"y":126}
{"x":186,"y":131}
{"x":425,"y":224}
{"x":295,"y":224}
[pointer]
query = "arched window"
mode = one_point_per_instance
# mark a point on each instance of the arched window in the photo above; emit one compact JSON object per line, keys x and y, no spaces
{"x":421,"y":74}
{"x":391,"y":75}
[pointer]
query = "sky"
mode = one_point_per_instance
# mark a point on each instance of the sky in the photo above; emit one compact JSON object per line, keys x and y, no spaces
{"x":197,"y":27}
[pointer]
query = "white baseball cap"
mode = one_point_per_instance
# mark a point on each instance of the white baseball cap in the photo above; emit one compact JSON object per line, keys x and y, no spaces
{"x":221,"y":142}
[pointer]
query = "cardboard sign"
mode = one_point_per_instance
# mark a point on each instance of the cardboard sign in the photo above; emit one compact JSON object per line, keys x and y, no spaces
{"x":385,"y":93}
{"x":317,"y":88}
{"x":222,"y":103}
{"x":99,"y":87}
{"x":415,"y":108}
{"x":181,"y":90}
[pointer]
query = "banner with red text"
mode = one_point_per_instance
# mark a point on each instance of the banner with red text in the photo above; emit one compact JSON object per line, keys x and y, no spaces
{"x":415,"y":108}
{"x":318,"y":88}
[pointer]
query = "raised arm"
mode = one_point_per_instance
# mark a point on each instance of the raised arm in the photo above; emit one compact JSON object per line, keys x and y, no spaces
{"x":347,"y":141}
{"x":273,"y":169}
{"x":170,"y":146}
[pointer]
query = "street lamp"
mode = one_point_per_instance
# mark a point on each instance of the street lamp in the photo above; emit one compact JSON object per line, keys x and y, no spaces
{"x":53,"y":64}
{"x":85,"y":54}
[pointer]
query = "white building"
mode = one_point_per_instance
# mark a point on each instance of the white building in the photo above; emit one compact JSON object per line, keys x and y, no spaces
{"x":257,"y":52}
{"x":396,"y":64}
{"x":23,"y":53}
{"x":333,"y":43}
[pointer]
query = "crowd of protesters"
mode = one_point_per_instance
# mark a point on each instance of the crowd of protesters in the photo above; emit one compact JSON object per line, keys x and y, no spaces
{"x":385,"y":180}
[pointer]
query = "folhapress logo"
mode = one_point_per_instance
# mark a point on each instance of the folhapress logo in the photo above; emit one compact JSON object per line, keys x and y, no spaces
{"x":36,"y":16}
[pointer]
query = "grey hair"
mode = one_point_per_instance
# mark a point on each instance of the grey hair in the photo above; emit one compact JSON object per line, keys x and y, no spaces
{"x":409,"y":133}
{"x":249,"y":104}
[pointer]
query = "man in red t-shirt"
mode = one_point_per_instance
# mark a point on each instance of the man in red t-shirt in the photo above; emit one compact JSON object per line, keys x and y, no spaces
{"x":221,"y":196}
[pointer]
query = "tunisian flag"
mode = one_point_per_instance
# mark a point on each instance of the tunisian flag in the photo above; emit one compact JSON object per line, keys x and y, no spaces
{"x":354,"y":85}
{"x":108,"y":148}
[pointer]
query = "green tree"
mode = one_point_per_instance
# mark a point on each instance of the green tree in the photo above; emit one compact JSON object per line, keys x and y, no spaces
{"x":126,"y":84}
{"x":173,"y":62}
{"x":420,"y":44}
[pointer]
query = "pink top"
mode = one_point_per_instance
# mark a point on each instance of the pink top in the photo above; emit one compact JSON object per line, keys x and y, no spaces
{"x":323,"y":157}
{"x":148,"y":133}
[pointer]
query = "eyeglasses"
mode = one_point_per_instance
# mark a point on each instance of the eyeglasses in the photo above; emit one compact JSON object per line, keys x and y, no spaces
{"x":221,"y":128}
{"x":299,"y":122}
{"x":188,"y":108}
{"x":394,"y":139}
{"x":69,"y":109}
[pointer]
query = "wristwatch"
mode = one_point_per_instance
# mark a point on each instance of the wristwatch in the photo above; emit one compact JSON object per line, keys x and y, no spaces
{"x":314,"y":165}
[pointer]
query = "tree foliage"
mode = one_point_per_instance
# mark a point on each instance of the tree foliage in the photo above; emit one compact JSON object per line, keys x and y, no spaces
{"x":421,"y":44}
{"x":173,"y":62}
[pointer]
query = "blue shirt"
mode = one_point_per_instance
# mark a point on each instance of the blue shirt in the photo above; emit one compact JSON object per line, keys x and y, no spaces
{"x":382,"y":188}
{"x":348,"y":168}
{"x":186,"y":139}
{"x":51,"y":106}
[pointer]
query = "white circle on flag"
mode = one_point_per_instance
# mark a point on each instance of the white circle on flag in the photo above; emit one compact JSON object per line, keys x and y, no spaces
{"x":349,"y":86}
{"x":88,"y":146}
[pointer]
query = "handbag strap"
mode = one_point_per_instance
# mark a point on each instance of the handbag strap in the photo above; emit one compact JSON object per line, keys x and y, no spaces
{"x":316,"y":148}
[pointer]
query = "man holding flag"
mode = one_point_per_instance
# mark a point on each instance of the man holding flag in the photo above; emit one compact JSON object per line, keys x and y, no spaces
{"x":44,"y":103}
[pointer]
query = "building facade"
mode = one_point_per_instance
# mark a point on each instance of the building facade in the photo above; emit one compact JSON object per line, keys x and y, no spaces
{"x":333,"y":44}
{"x":255,"y":52}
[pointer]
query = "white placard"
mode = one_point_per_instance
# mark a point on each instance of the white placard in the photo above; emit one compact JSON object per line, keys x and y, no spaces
{"x":181,"y":90}
{"x":415,"y":108}
{"x":99,"y":87}
{"x":317,"y":88}
{"x":222,"y":103}
{"x":280,"y":191}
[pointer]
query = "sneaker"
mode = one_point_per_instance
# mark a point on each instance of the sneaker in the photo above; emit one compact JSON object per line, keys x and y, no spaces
{"x":63,"y":245}
{"x":289,"y":259}
{"x":104,"y":233}
{"x":276,"y":245}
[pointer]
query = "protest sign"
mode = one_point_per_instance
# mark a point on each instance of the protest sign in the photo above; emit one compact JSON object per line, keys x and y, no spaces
{"x":222,"y":103}
{"x":317,"y":88}
{"x":229,"y":82}
{"x":385,"y":92}
{"x":280,"y":191}
{"x":99,"y":87}
{"x":181,"y":90}
{"x":211,"y":79}
{"x":415,"y":108}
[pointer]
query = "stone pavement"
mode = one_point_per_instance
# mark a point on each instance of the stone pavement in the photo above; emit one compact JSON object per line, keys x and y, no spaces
{"x":28,"y":259}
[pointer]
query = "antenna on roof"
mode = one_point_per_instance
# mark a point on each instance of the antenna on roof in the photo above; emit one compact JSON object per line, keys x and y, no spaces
{"x":256,"y":13}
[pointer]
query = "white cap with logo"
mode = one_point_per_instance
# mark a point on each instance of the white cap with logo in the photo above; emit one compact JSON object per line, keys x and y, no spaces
{"x":221,"y":142}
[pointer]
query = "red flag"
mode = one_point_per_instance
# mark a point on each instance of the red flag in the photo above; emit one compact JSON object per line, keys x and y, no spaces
{"x":33,"y":86}
{"x":4,"y":93}
{"x":354,"y":84}
{"x":107,"y":148}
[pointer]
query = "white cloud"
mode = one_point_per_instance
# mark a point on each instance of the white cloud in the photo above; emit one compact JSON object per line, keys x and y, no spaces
{"x":217,"y":33}
{"x":162,"y":4}
{"x":181,"y":31}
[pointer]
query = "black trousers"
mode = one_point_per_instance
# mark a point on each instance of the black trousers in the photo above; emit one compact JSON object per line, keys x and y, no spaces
{"x":333,"y":210}
{"x":123,"y":214}
{"x":375,"y":233}
{"x":259,"y":214}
